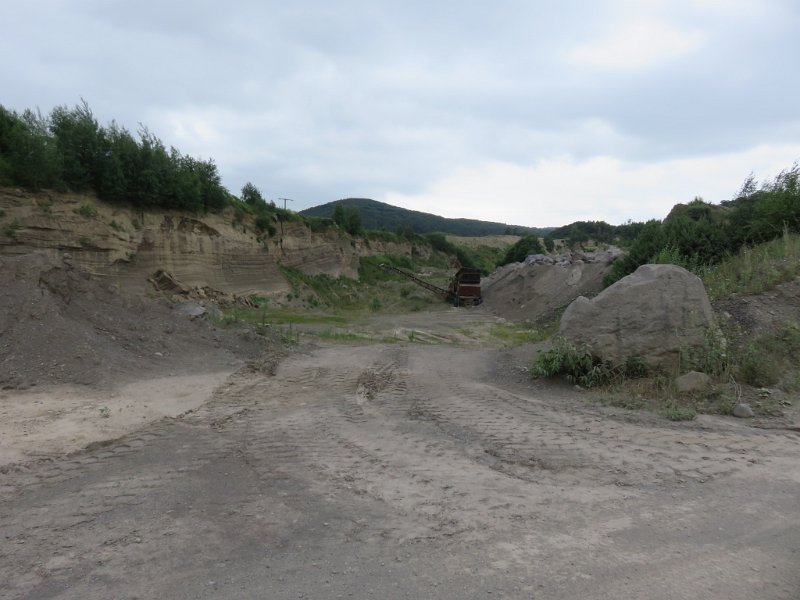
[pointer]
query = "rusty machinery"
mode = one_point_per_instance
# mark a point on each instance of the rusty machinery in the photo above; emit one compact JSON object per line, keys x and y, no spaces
{"x":464,"y":288}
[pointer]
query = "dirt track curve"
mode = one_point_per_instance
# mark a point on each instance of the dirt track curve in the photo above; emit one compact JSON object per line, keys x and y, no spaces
{"x":407,"y":471}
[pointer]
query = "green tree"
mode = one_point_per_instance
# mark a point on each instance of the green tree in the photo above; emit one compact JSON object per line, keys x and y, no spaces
{"x":647,"y":245}
{"x":77,"y":136}
{"x":524,"y":247}
{"x":338,"y":214}
{"x":352,"y":220}
{"x":252,"y":195}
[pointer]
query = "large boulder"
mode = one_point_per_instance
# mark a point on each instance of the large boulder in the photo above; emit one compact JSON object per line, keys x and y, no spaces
{"x":656,"y":313}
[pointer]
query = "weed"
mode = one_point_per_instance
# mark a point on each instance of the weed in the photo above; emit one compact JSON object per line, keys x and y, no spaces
{"x":86,"y":210}
{"x":257,"y":301}
{"x":84,"y":241}
{"x":755,"y":269}
{"x":581,"y":367}
{"x":2,"y":214}
{"x":713,"y":358}
{"x":519,"y":333}
{"x":376,"y":305}
{"x":577,"y":364}
{"x":336,"y":335}
{"x":105,"y":412}
{"x":45,"y":207}
{"x":116,"y":226}
{"x":10,"y":230}
{"x":289,"y":335}
{"x":675,"y":412}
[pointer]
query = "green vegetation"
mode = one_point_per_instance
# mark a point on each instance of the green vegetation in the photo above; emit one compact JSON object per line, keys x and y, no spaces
{"x":439,"y":242}
{"x":381,"y":216}
{"x":526,"y":246}
{"x":347,"y":218}
{"x":10,"y":229}
{"x":700,"y":235}
{"x":759,"y":360}
{"x":598,"y":231}
{"x":69,"y":150}
{"x":755,"y":269}
{"x":579,"y":366}
{"x":516,"y":333}
{"x":86,"y":210}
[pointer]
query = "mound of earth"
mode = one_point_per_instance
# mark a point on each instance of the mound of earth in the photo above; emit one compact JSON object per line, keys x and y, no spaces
{"x":59,"y":325}
{"x":535,"y":289}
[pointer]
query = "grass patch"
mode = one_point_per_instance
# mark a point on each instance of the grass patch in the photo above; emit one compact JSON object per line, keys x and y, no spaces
{"x":514,"y":334}
{"x":10,"y":230}
{"x":86,"y":210}
{"x":260,"y":316}
{"x":754,"y":270}
{"x":351,"y":337}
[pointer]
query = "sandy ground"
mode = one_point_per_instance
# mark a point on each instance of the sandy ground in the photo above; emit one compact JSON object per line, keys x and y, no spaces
{"x":60,"y":420}
{"x":407,"y":470}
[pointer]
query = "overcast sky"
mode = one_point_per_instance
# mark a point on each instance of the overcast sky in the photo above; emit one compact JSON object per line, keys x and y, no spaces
{"x":530,"y":112}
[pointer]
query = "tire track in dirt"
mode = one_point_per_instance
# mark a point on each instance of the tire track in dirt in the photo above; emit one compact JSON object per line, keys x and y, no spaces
{"x":399,"y":444}
{"x":447,"y":453}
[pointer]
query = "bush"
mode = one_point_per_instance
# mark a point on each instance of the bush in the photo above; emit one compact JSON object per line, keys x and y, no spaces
{"x":521,"y":250}
{"x":579,"y":366}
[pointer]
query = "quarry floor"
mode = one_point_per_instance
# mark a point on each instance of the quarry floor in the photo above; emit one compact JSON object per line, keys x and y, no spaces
{"x":405,"y":470}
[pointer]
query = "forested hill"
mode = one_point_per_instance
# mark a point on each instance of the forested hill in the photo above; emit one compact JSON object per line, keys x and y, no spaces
{"x":379,"y":215}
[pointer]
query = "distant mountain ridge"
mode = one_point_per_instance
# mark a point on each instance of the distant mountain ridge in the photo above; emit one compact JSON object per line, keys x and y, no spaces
{"x":379,"y":215}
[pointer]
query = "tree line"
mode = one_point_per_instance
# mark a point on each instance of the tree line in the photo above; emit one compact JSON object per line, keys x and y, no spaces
{"x":68,"y":150}
{"x":700,"y":234}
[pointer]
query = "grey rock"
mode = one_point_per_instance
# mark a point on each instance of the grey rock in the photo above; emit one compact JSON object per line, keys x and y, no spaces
{"x":189,"y":309}
{"x":655,"y":313}
{"x":692,"y":383}
{"x":743,"y":411}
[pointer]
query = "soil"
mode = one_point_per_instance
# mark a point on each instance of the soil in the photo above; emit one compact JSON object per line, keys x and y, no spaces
{"x":424,"y":469}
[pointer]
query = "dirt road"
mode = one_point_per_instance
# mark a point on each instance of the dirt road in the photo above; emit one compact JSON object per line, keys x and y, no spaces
{"x":407,"y":470}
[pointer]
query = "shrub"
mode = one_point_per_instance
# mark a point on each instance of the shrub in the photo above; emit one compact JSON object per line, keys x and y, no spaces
{"x":579,"y":366}
{"x":86,"y":210}
{"x":521,"y":250}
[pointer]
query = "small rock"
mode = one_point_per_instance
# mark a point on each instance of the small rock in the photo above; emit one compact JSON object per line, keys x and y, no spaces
{"x":692,"y":382}
{"x":743,"y":411}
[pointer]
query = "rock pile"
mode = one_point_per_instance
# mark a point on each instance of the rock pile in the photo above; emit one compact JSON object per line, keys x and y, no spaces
{"x":536,"y":288}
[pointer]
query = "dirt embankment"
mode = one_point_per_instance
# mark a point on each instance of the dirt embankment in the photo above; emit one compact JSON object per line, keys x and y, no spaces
{"x":214,"y":250}
{"x":74,"y":349}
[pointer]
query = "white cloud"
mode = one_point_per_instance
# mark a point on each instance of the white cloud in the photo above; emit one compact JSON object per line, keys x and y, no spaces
{"x":637,"y":44}
{"x":560,"y":190}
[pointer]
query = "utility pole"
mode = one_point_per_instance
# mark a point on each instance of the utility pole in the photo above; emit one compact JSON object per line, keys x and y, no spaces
{"x":285,"y":200}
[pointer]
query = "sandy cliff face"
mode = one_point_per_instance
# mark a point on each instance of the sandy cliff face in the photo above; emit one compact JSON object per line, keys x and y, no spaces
{"x":128,"y":246}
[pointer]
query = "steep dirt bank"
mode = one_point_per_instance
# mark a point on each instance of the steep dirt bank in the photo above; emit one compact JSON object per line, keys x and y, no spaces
{"x":126,"y":246}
